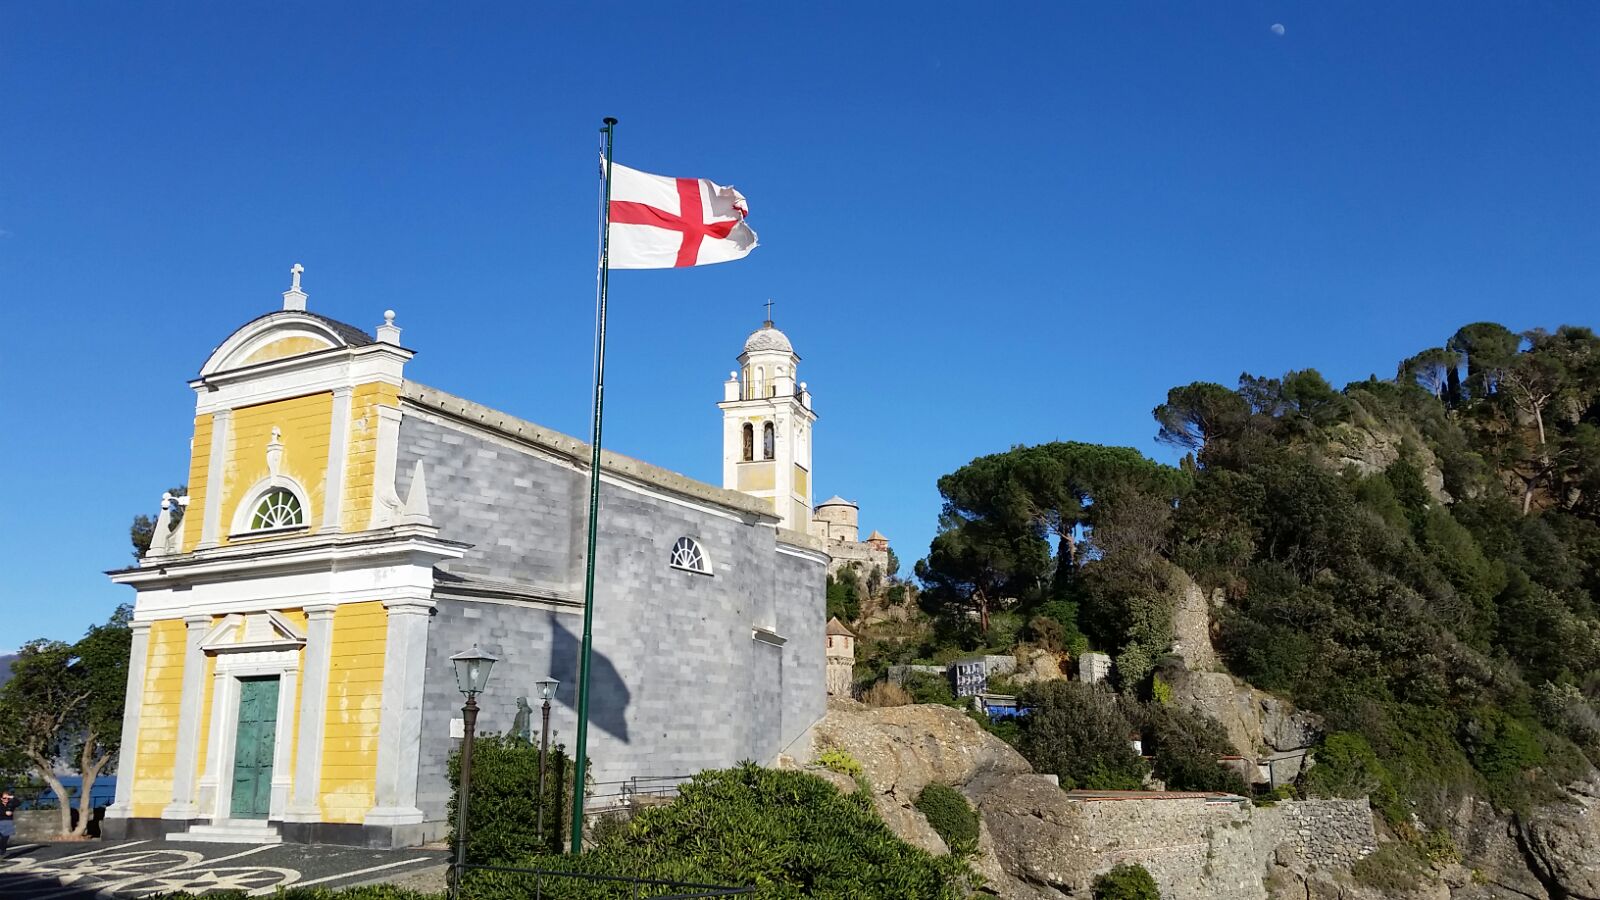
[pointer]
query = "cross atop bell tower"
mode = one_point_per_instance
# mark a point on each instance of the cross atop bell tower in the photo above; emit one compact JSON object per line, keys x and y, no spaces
{"x":766,"y":426}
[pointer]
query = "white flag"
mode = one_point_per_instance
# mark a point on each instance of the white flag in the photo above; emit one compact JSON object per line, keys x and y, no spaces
{"x":664,"y":223}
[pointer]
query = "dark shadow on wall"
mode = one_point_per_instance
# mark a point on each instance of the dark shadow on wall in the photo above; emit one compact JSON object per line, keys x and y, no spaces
{"x":608,"y":696}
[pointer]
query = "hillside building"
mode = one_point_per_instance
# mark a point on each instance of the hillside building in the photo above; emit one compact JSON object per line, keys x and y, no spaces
{"x":836,"y":522}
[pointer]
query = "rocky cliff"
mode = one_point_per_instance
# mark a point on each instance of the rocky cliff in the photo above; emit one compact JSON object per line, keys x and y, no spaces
{"x":1037,"y":841}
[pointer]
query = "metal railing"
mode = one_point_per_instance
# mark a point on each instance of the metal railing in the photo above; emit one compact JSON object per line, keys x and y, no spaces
{"x":627,"y":888}
{"x":610,"y":796}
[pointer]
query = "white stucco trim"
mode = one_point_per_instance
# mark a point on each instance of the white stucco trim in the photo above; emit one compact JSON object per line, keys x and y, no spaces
{"x":338,"y":440}
{"x":216,"y":795}
{"x":291,"y":572}
{"x":305,"y":803}
{"x":297,"y":376}
{"x":400,"y":723}
{"x":132,"y":704}
{"x":239,"y":529}
{"x":216,"y":464}
{"x":185,"y":758}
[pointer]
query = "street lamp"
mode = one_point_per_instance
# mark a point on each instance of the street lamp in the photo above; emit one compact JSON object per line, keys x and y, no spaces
{"x":547,"y":690}
{"x":472,"y":674}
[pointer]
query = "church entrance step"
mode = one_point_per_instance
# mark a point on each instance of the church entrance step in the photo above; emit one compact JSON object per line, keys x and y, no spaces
{"x":226,"y":832}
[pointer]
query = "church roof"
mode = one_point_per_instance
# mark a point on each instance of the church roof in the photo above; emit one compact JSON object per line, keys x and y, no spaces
{"x":350,"y":334}
{"x":837,"y":627}
{"x":835,"y":500}
{"x":767,"y":338}
{"x":876,"y":535}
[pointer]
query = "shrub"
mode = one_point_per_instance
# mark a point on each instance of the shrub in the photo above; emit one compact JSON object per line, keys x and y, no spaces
{"x":1346,"y":767}
{"x":1126,"y":882}
{"x":886,"y":693}
{"x":790,"y":834}
{"x":1079,"y":733}
{"x":362,"y":892}
{"x":837,"y":760}
{"x":1186,"y":747}
{"x":925,"y":687}
{"x":505,"y":788}
{"x":951,"y":817}
{"x":1394,"y":869}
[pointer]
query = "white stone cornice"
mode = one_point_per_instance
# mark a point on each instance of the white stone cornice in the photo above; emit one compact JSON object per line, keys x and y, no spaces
{"x":296,"y":376}
{"x":413,"y":543}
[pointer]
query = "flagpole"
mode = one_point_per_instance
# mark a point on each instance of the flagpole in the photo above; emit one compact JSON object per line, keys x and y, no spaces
{"x":581,"y":770}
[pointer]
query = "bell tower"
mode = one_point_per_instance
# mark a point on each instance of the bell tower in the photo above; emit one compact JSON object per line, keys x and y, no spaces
{"x":766,"y":426}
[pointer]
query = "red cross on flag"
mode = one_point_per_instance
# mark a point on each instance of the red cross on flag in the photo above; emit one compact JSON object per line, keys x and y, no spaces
{"x":664,"y":223}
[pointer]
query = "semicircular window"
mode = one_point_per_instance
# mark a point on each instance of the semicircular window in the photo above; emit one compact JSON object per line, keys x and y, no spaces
{"x":686,"y":554}
{"x":278,"y":508}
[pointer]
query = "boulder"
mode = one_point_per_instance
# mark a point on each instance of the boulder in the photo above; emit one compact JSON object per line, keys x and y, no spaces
{"x":1562,"y":840}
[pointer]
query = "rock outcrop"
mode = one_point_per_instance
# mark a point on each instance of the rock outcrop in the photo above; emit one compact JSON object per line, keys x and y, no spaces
{"x":1038,"y":842}
{"x":1563,"y":841}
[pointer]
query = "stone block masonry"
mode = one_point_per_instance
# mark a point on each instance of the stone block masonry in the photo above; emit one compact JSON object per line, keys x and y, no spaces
{"x":691,"y":670}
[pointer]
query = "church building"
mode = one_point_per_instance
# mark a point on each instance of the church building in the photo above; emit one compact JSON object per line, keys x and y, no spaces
{"x":347,"y":530}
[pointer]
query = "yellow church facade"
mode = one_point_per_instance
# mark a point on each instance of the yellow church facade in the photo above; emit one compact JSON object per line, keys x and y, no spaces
{"x":346,"y":530}
{"x":264,"y":683}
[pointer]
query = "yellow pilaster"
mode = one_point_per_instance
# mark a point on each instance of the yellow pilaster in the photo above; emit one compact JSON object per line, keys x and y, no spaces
{"x":355,"y":699}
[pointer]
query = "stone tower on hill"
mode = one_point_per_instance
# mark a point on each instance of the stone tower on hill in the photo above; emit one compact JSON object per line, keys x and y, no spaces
{"x":841,"y":659}
{"x":837,"y":523}
{"x":766,"y":427}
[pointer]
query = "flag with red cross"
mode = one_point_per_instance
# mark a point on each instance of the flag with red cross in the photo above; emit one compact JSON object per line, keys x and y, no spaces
{"x":664,"y":223}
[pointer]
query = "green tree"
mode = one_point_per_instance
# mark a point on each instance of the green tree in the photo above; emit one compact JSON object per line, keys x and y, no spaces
{"x":1080,"y":733}
{"x":64,"y":702}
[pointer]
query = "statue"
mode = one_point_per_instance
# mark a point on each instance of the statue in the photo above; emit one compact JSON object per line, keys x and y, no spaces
{"x":520,"y":725}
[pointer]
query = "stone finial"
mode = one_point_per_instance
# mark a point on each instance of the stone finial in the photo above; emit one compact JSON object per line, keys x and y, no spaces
{"x":415,"y":511}
{"x":389,"y":332}
{"x":275,"y":451}
{"x":164,"y":538}
{"x":294,"y":298}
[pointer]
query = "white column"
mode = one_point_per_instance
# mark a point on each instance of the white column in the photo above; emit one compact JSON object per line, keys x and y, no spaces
{"x":183,"y":766}
{"x":339,"y":437}
{"x":305,"y":796}
{"x":216,"y":466}
{"x":400,"y":728}
{"x":278,"y":800}
{"x":211,"y":773}
{"x":132,"y":706}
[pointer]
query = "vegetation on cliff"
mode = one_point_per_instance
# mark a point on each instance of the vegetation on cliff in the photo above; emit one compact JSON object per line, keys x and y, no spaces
{"x":1416,"y":559}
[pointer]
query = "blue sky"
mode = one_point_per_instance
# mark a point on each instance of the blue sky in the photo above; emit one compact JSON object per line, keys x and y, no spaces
{"x":981,"y":226}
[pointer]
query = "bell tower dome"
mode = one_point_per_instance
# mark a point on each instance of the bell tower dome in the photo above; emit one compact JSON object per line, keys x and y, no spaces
{"x":766,"y":427}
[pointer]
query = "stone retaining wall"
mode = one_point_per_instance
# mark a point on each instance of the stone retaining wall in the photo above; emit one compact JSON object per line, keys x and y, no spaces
{"x":1324,"y":834}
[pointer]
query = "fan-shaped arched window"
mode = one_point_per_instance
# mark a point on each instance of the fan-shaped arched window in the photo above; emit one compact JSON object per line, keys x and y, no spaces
{"x":686,"y":554}
{"x":749,"y":442}
{"x":769,"y":441}
{"x":277,"y":508}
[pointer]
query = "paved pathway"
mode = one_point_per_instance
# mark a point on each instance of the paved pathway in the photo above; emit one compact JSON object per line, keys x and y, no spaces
{"x":127,"y":869}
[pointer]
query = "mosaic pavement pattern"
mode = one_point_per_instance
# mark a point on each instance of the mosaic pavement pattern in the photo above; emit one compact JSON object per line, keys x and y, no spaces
{"x":127,"y":869}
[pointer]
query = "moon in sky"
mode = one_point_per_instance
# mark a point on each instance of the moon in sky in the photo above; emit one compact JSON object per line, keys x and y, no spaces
{"x":1277,"y":29}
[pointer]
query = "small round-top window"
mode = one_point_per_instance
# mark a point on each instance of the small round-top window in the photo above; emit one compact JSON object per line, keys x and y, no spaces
{"x":686,"y":554}
{"x":279,"y":508}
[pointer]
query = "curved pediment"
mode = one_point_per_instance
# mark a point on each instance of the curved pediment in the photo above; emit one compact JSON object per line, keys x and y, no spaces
{"x":280,"y":335}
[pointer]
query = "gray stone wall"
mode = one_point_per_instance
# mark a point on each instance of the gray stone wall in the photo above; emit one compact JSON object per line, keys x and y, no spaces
{"x":1321,"y":834}
{"x":679,"y":683}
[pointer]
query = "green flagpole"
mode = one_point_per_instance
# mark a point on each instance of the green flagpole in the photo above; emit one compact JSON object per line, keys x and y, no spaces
{"x":582,"y":768}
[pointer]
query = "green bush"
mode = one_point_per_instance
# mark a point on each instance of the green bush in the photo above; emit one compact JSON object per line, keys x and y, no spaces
{"x":1346,"y":767}
{"x":1081,"y":734}
{"x":951,"y":816}
{"x":1126,"y":882}
{"x":926,"y":687}
{"x":790,"y":834}
{"x":1186,"y":746}
{"x":363,"y":892}
{"x":839,"y":761}
{"x":504,"y":811}
{"x":1394,"y":869}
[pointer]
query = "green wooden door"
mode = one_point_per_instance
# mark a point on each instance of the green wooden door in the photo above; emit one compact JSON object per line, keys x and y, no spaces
{"x":252,"y":753}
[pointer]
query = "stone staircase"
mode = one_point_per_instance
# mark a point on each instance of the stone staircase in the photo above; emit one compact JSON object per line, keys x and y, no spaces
{"x":230,"y":831}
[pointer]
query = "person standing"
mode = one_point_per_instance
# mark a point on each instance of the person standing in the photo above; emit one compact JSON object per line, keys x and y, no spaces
{"x":8,"y":822}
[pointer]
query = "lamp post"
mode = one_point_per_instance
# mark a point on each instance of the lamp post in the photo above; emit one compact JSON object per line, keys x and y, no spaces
{"x":472,"y":673}
{"x":547,"y":690}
